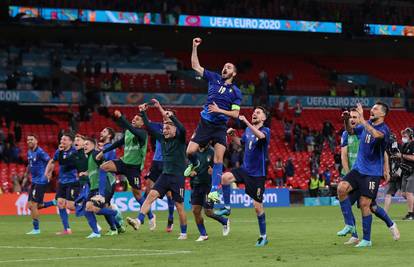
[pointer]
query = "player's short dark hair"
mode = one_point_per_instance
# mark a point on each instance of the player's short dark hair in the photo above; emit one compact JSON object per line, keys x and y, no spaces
{"x":70,"y":135}
{"x":263,"y":109}
{"x":33,"y":135}
{"x":173,"y":111}
{"x":235,"y":67}
{"x":384,"y":106}
{"x":90,"y":139}
{"x":80,"y":136}
{"x":111,"y":132}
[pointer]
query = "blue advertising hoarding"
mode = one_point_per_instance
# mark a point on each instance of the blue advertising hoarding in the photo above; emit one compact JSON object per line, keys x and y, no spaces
{"x":65,"y":97}
{"x":390,"y":30}
{"x":109,"y":16}
{"x":337,"y":101}
{"x":118,"y":98}
{"x":260,"y":24}
{"x":273,"y":197}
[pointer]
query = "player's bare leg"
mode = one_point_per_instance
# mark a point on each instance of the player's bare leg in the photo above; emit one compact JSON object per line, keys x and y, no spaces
{"x":387,"y":202}
{"x":64,"y":217}
{"x":261,"y":218}
{"x":365,"y":206}
{"x":200,"y":223}
{"x":183,"y":220}
{"x":145,"y":208}
{"x":34,"y":213}
{"x":343,"y":190}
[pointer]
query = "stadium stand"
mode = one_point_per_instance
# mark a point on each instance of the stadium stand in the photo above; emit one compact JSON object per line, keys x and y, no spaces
{"x":349,"y":11}
{"x":311,"y":118}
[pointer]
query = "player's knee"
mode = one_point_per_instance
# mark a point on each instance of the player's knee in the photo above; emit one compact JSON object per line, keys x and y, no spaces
{"x":106,"y":166}
{"x":196,"y":211}
{"x":258,"y":207}
{"x":70,"y":206}
{"x":61,"y":203}
{"x":208,"y":212}
{"x":342,"y":189}
{"x":191,"y":148}
{"x":90,"y":207}
{"x":137,"y":193}
{"x":226,"y":178}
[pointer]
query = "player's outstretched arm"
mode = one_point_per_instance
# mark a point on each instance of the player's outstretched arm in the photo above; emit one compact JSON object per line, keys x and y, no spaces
{"x":139,"y":133}
{"x":195,"y":63}
{"x":374,"y":132}
{"x":259,"y":134}
{"x":180,"y":127}
{"x":114,"y":145}
{"x":347,"y":124}
{"x":147,"y":123}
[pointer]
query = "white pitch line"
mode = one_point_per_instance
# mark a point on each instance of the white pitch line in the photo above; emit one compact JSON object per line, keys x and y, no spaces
{"x":93,"y":257}
{"x":100,"y":249}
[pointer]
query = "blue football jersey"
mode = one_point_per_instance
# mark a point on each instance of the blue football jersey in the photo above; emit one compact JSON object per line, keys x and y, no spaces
{"x":226,"y":96}
{"x":370,"y":159}
{"x":67,"y":171}
{"x":255,"y":152}
{"x":157,"y":126}
{"x":38,"y":160}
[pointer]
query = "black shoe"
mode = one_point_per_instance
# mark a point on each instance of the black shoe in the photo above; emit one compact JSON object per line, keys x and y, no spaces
{"x":406,"y":216}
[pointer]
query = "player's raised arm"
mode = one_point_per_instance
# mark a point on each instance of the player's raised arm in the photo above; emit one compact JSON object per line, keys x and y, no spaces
{"x":159,"y":107}
{"x":374,"y":132}
{"x":180,"y":127}
{"x":259,"y":134}
{"x":346,"y":117}
{"x":139,"y":133}
{"x":195,"y":64}
{"x":147,"y":123}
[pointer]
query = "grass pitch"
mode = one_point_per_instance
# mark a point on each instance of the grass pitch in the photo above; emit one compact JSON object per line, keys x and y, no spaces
{"x":299,"y":236}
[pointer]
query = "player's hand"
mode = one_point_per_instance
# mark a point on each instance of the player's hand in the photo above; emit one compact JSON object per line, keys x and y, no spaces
{"x":193,"y":173}
{"x":48,"y":176}
{"x":387,"y":176}
{"x":100,"y":155}
{"x":156,"y":103}
{"x":213,"y":108}
{"x":345,"y":115}
{"x":231,"y":131}
{"x":143,"y":107}
{"x":196,"y":41}
{"x":360,"y":110}
{"x":83,"y":174}
{"x":242,"y":118}
{"x":210,"y":170}
{"x":117,"y":114}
